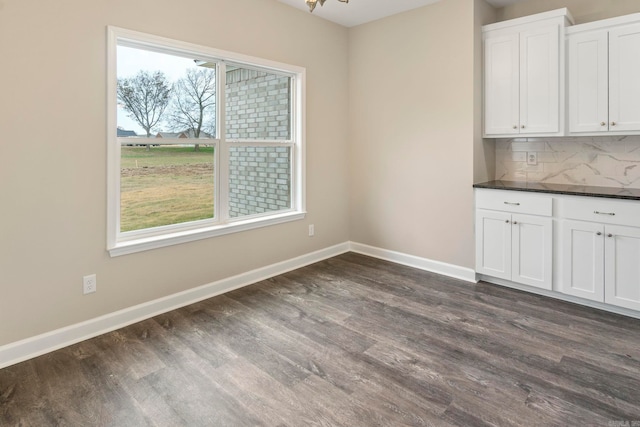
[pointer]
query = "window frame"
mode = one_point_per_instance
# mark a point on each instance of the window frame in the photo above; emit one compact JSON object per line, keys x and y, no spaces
{"x":121,"y":243}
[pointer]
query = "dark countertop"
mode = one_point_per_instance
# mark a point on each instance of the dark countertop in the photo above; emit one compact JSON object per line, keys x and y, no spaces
{"x":573,"y":190}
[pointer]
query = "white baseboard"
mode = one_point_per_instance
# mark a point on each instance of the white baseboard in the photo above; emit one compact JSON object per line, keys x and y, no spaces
{"x":20,"y":351}
{"x":462,"y":273}
{"x":29,"y":348}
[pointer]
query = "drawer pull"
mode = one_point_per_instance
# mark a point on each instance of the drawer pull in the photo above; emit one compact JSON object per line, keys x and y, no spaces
{"x":609,"y":235}
{"x":598,"y":234}
{"x":507,"y":221}
{"x":604,"y":213}
{"x":512,"y":203}
{"x":515,"y":222}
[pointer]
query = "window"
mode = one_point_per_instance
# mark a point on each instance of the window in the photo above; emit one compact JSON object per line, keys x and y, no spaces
{"x":201,"y":142}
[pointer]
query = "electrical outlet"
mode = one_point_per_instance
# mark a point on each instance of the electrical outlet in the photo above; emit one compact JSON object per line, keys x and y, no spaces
{"x":89,"y":284}
{"x":532,"y":158}
{"x":312,"y":230}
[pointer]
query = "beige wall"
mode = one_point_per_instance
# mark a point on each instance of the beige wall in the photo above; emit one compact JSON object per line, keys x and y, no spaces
{"x":484,"y":154}
{"x":411,"y":111}
{"x":394,"y":110}
{"x":582,"y":10}
{"x":53,"y":153}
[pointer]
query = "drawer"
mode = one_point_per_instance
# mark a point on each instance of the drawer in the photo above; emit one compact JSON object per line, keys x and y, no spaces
{"x":597,"y":209}
{"x":514,"y":201}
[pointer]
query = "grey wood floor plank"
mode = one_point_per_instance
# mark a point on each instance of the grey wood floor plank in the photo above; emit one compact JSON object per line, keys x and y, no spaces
{"x":346,"y":372}
{"x":349,"y":341}
{"x":532,"y":373}
{"x":186,"y":385}
{"x":553,"y":410}
{"x":257,"y":390}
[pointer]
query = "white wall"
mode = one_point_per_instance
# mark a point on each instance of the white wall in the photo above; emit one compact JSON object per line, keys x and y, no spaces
{"x":393,"y":148}
{"x":412,"y":124}
{"x":582,"y":10}
{"x":484,"y":166}
{"x":53,"y":153}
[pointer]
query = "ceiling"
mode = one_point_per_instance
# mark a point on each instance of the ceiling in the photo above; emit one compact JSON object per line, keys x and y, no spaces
{"x":361,"y":11}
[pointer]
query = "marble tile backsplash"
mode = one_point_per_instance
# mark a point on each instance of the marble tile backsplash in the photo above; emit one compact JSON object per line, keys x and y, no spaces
{"x":608,"y":161}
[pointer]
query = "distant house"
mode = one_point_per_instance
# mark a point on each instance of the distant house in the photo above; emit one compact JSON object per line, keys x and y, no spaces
{"x":171,"y":135}
{"x":189,"y":133}
{"x":123,"y":133}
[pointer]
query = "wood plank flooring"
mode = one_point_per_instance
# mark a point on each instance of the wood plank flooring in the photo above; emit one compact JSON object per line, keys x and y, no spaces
{"x":350,"y":341}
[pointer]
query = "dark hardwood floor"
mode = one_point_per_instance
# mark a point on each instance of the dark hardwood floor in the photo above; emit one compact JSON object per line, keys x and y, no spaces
{"x":350,"y":341}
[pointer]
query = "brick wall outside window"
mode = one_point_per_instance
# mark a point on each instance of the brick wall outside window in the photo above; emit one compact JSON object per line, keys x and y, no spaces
{"x":257,"y":107}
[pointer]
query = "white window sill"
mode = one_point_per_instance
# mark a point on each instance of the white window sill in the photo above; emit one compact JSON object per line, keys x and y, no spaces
{"x":178,"y":237}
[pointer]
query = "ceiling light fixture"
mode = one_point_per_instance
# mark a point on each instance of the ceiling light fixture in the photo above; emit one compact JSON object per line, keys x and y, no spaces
{"x":312,"y":3}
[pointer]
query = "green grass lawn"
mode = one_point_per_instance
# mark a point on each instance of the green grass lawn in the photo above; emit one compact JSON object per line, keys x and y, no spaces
{"x":132,"y":157}
{"x":165,"y":185}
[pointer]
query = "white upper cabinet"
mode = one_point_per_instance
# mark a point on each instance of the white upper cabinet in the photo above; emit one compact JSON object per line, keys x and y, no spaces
{"x":502,"y":84}
{"x":603,"y":70}
{"x":624,"y":78}
{"x":540,"y":80}
{"x":589,"y":82}
{"x":523,"y":69}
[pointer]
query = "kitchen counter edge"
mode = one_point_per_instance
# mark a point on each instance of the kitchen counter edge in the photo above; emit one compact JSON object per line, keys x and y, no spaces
{"x":568,"y":189}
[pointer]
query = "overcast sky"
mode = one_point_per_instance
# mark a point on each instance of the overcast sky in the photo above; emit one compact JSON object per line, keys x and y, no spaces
{"x":131,"y":61}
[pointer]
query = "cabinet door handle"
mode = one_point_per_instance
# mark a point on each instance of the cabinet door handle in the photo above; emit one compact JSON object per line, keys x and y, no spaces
{"x":515,"y":222}
{"x":609,"y":235}
{"x":507,"y":221}
{"x":512,"y":203}
{"x":522,"y":126}
{"x":515,"y":126}
{"x":604,"y":213}
{"x":613,"y":123}
{"x":603,"y":123}
{"x":598,"y":234}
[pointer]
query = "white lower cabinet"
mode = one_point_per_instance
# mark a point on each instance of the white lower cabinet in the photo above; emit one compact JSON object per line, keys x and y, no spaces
{"x":493,"y":243}
{"x":622,"y":266}
{"x":602,"y":263}
{"x":514,"y":246}
{"x":532,"y":251}
{"x":597,"y":244}
{"x":600,"y":242}
{"x":583,"y":260}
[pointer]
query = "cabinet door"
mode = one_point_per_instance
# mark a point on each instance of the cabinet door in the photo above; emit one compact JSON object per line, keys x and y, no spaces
{"x":540,"y":80}
{"x":589,"y":82}
{"x":532,"y":244}
{"x":501,"y":85}
{"x":624,"y":83}
{"x":622,"y":266}
{"x":493,"y":243}
{"x":583,"y":260}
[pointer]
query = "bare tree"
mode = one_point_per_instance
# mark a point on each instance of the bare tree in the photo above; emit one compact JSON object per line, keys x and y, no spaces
{"x":194,"y":103}
{"x":145,"y":97}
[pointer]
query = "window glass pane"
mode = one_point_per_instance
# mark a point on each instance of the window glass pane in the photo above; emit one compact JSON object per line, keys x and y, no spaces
{"x":165,"y":96}
{"x":258,"y":105}
{"x":165,"y":185}
{"x":259,"y":180}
